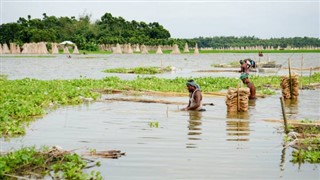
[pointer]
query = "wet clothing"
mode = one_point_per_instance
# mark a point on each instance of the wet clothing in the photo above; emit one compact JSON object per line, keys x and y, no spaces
{"x":251,"y":63}
{"x":192,"y":100}
{"x":244,"y":75}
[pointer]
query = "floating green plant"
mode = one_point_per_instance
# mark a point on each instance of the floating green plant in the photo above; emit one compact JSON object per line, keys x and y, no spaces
{"x":307,"y":145}
{"x":26,"y":99}
{"x":311,"y":154}
{"x":230,"y":64}
{"x":139,"y":70}
{"x":154,"y":124}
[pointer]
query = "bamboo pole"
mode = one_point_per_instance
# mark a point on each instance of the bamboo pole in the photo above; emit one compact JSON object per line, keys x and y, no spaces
{"x":301,"y":69}
{"x":284,"y":116}
{"x":310,"y":75}
{"x":290,"y":80}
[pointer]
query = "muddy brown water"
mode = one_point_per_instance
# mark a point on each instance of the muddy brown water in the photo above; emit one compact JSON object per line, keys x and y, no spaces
{"x":186,"y":145}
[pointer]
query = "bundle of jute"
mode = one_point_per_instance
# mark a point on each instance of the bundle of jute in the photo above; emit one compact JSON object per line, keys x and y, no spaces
{"x":285,"y":86}
{"x":232,"y":99}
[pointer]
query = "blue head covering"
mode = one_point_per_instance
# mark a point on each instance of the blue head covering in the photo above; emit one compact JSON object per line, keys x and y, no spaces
{"x":193,"y":83}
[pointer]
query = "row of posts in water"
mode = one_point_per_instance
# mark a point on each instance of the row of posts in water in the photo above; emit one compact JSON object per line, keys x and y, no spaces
{"x":41,"y":48}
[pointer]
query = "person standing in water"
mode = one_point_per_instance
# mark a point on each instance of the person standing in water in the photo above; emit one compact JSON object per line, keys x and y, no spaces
{"x":245,"y":79}
{"x":195,"y":97}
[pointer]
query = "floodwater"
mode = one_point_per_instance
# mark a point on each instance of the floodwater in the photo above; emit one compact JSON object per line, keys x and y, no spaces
{"x":186,"y":65}
{"x":186,"y":145}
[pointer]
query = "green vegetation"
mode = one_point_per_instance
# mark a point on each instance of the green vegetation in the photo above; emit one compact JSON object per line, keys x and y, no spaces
{"x":111,"y":30}
{"x":139,"y":70}
{"x":307,"y":146}
{"x":87,"y":35}
{"x":31,"y":163}
{"x":231,"y":64}
{"x":308,"y":149}
{"x":257,"y":51}
{"x":232,"y":41}
{"x":311,"y":156}
{"x":154,"y":124}
{"x":24,"y":100}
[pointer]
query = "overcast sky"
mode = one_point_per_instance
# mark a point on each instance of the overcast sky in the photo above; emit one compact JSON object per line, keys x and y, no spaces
{"x":188,"y":19}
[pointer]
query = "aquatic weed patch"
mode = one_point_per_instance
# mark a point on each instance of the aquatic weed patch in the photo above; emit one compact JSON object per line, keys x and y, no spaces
{"x":27,"y":99}
{"x":29,"y":162}
{"x":307,"y":142}
{"x":307,"y":150}
{"x":139,"y":70}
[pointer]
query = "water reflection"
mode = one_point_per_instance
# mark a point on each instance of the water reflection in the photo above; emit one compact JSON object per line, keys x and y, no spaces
{"x":238,"y":126}
{"x":283,"y":158}
{"x":291,"y":108}
{"x":252,"y":103}
{"x":194,"y":128}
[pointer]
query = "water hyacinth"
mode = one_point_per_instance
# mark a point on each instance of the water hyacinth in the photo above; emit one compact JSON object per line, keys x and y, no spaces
{"x":26,"y":99}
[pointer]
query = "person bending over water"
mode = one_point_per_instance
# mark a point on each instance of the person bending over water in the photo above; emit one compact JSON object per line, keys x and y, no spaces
{"x":195,"y":97}
{"x":250,"y":85}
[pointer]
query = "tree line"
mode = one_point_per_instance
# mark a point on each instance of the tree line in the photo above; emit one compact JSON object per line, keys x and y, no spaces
{"x":111,"y":30}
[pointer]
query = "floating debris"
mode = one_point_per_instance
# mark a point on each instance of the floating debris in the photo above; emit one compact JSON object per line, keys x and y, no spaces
{"x":114,"y":154}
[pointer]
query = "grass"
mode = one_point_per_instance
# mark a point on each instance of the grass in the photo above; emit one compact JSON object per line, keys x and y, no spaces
{"x":257,"y":51}
{"x":218,"y":51}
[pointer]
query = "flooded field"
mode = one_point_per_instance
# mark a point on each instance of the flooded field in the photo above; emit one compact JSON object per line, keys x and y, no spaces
{"x":186,"y":145}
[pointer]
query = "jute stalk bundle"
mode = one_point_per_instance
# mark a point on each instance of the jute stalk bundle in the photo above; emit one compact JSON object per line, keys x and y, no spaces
{"x":232,"y":99}
{"x":285,"y":86}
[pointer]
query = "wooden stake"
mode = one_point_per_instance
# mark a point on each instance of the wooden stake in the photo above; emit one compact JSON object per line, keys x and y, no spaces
{"x":301,"y":69}
{"x":290,"y":80}
{"x":310,"y":75}
{"x":167,"y":111}
{"x":284,"y":116}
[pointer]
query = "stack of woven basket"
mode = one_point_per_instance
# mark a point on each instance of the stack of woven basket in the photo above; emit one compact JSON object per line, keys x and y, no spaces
{"x":285,"y":85}
{"x":232,"y":99}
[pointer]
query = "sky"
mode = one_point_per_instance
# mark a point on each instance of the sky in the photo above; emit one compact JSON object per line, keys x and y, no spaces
{"x":188,"y":19}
